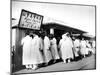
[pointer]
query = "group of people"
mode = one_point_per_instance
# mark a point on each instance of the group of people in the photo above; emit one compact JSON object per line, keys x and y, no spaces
{"x":83,"y":47}
{"x":38,"y":49}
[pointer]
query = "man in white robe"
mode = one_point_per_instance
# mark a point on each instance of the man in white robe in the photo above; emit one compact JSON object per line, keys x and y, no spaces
{"x":47,"y":52}
{"x":76,"y":47}
{"x":36,"y":56}
{"x":93,"y":47}
{"x":62,"y":49}
{"x":66,"y":46}
{"x":42,"y":47}
{"x":54,"y":50}
{"x":89,"y":47}
{"x":83,"y":47}
{"x":26,"y":42}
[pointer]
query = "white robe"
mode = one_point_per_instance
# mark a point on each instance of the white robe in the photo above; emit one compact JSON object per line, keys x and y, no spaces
{"x":41,"y":43}
{"x":36,"y":56}
{"x":54,"y":49}
{"x":83,"y":47}
{"x":41,"y":48}
{"x":59,"y":46}
{"x":76,"y":47}
{"x":66,"y":48}
{"x":93,"y":44}
{"x":93,"y":47}
{"x":47,"y":52}
{"x":26,"y":42}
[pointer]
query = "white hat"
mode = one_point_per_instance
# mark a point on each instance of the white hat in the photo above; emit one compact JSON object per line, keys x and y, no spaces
{"x":63,"y":36}
{"x":67,"y":33}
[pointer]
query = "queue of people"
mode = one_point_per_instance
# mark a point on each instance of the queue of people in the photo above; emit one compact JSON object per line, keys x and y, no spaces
{"x":39,"y":49}
{"x":83,"y":48}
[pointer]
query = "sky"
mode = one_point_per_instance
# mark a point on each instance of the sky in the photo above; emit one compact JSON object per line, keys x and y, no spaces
{"x":80,"y":17}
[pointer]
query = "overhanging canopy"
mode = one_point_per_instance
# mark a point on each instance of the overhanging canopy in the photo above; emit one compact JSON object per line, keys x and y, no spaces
{"x":62,"y":27}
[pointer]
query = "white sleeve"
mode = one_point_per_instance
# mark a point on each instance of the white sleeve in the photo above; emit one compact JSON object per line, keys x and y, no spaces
{"x":48,"y":43}
{"x":41,"y":44}
{"x":22,"y":41}
{"x":60,"y":44}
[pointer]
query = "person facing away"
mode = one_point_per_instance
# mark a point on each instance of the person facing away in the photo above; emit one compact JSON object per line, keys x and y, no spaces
{"x":47,"y":52}
{"x":36,"y":56}
{"x":54,"y":50}
{"x":26,"y":43}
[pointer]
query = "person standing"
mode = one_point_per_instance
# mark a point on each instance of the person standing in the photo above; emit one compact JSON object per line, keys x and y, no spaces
{"x":26,"y":43}
{"x":62,"y":47}
{"x":76,"y":48}
{"x":47,"y":52}
{"x":93,"y":47}
{"x":36,"y":56}
{"x":69,"y":48}
{"x":88,"y":48}
{"x":41,"y":47}
{"x":83,"y":47}
{"x":54,"y":48}
{"x":66,"y":46}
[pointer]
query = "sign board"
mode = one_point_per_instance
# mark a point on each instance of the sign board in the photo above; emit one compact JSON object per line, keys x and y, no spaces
{"x":30,"y":20}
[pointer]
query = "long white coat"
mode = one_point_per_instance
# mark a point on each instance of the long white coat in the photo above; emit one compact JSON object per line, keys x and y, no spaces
{"x":93,"y":44}
{"x":66,"y":48}
{"x":26,"y":42}
{"x":47,"y":52}
{"x":41,"y":43}
{"x":83,"y":47}
{"x":36,"y":56}
{"x":93,"y":47}
{"x":54,"y":49}
{"x":76,"y":47}
{"x":42,"y":47}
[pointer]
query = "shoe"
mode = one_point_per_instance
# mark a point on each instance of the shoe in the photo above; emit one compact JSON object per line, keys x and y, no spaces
{"x":84,"y":56}
{"x":34,"y":67}
{"x":64,"y":61}
{"x":68,"y":60}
